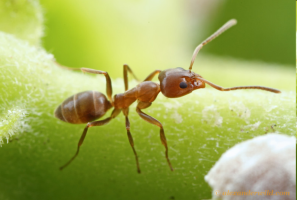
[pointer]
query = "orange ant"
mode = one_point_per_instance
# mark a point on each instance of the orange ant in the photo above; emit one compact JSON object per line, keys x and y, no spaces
{"x":87,"y":106}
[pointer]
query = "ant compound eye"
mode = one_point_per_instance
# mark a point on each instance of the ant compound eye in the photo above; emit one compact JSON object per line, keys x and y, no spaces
{"x":183,"y":85}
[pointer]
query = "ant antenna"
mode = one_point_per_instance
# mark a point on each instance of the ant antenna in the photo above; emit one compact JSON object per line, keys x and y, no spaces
{"x":238,"y":87}
{"x":226,"y":26}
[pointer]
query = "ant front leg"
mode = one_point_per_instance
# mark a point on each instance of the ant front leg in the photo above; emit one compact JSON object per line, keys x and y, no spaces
{"x":126,"y":112}
{"x":143,"y":105}
{"x":114,"y":113}
{"x":108,"y":81}
{"x":152,"y":75}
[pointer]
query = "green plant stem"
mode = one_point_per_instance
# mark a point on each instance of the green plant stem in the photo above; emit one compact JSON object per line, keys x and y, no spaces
{"x":199,"y":128}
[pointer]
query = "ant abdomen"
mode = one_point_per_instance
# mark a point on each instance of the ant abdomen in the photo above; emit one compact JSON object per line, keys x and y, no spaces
{"x":83,"y":107}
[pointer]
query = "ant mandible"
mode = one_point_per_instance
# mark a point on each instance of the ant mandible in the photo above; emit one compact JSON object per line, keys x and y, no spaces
{"x":87,"y":106}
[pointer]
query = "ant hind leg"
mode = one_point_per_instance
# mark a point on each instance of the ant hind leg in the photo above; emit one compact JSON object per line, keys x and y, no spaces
{"x":108,"y":81}
{"x":114,"y":113}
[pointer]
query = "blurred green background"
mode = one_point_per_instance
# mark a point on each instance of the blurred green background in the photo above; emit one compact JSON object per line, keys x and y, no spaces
{"x":264,"y":32}
{"x":153,"y":34}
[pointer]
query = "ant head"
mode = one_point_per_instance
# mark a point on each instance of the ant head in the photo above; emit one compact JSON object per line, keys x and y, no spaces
{"x":179,"y":82}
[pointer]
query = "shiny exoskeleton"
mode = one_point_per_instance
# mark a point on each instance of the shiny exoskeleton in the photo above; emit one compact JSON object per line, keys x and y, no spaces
{"x":85,"y":107}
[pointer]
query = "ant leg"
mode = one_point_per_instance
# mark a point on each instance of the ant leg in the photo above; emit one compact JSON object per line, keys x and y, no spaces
{"x":108,"y":81}
{"x":126,"y":70}
{"x":126,"y":112}
{"x":142,"y":105}
{"x":114,"y":113}
{"x":69,"y":68}
{"x":151,"y":76}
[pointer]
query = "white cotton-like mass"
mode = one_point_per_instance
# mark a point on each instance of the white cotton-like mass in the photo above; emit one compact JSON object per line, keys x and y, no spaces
{"x":256,"y":169}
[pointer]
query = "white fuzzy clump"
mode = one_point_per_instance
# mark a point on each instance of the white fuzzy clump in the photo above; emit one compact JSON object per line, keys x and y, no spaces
{"x":260,"y":168}
{"x":212,"y":116}
{"x":12,"y":123}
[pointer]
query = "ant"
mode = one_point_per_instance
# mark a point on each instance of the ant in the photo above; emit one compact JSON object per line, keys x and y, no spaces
{"x":85,"y":107}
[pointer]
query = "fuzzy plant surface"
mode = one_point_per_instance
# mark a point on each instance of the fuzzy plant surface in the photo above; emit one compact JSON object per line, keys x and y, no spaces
{"x":199,"y":128}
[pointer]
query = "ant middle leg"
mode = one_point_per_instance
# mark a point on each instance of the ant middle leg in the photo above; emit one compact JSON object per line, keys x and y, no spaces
{"x":126,"y":70}
{"x":126,"y":112}
{"x":114,"y":113}
{"x":146,"y":117}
